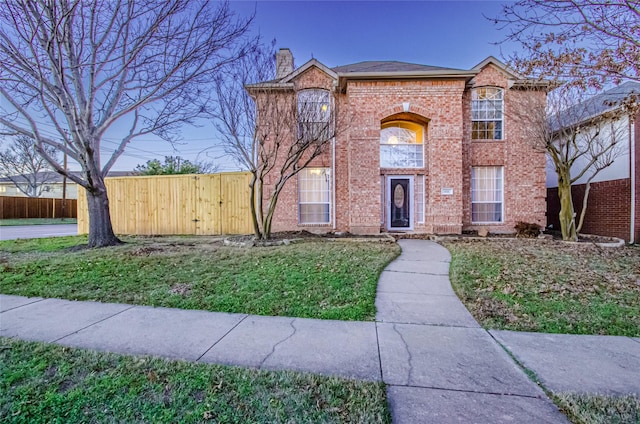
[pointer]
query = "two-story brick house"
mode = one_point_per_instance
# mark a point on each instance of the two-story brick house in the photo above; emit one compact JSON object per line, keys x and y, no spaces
{"x":421,"y":149}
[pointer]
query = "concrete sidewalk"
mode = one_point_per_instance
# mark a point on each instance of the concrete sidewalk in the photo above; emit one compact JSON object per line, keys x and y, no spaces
{"x":439,"y":365}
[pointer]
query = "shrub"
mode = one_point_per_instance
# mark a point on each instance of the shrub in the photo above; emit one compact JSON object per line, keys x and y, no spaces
{"x":527,"y":230}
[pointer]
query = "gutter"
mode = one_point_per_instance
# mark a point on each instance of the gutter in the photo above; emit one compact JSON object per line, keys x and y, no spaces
{"x":343,"y":77}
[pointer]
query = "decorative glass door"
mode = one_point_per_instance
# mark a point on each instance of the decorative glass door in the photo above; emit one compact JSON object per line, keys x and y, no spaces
{"x":399,"y":203}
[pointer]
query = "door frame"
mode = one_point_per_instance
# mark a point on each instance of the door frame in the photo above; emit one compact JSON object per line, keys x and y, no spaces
{"x":389,"y":199}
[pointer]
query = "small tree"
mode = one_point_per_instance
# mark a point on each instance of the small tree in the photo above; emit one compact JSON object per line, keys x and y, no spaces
{"x":174,"y":165}
{"x":76,"y":68}
{"x":270,"y":130}
{"x":585,"y":43}
{"x":25,"y":168}
{"x":582,"y":136}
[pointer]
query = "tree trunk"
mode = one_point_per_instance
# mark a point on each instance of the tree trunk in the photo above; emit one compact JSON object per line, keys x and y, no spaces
{"x":266,"y":227}
{"x":100,"y":229}
{"x":252,"y":206}
{"x":583,"y":213}
{"x":566,"y":215}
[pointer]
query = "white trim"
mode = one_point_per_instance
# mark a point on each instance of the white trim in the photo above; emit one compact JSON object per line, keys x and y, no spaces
{"x":299,"y":203}
{"x":501,"y":120}
{"x":420,"y":218}
{"x":309,"y":64}
{"x":409,"y":195}
{"x":501,"y":203}
{"x":333,"y":182}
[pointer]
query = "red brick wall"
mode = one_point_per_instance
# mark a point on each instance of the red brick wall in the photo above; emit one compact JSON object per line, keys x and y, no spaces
{"x":436,"y":102}
{"x":637,"y":177}
{"x":444,"y":106}
{"x":286,"y":215}
{"x":524,"y":166}
{"x":608,"y":208}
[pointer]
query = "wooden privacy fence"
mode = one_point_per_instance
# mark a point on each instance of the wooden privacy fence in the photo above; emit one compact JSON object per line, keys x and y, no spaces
{"x":32,"y":207}
{"x":202,"y":204}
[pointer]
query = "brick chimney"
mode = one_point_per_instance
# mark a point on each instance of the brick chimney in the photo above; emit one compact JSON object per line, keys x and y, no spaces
{"x":284,"y":63}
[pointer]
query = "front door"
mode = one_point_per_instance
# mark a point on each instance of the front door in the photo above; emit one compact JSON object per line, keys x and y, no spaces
{"x":399,"y":213}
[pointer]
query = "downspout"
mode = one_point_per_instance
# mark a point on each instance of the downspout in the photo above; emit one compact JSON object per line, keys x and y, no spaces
{"x":632,"y":154}
{"x":333,"y":182}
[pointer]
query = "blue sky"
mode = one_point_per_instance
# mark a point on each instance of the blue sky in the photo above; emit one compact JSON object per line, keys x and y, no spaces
{"x":441,"y":33}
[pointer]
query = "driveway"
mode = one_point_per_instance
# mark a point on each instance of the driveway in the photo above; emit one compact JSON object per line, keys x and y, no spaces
{"x":37,"y":231}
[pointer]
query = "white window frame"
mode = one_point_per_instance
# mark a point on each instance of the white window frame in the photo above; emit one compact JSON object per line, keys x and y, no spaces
{"x":410,"y":195}
{"x":326,"y":172}
{"x":477,"y":110}
{"x":310,"y":101}
{"x":473,"y":190}
{"x":420,"y":199}
{"x":418,"y":144}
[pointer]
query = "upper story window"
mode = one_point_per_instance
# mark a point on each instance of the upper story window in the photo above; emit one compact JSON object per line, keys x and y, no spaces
{"x":401,"y":145}
{"x":314,"y":115}
{"x":486,"y":113}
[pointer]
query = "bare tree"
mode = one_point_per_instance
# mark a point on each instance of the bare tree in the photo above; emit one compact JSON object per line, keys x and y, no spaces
{"x":77,"y":68}
{"x":582,"y":136}
{"x":587,"y":42}
{"x":25,"y":168}
{"x":271,"y":130}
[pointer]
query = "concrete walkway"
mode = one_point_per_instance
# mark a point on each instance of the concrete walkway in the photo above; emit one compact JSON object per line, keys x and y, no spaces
{"x":439,"y":365}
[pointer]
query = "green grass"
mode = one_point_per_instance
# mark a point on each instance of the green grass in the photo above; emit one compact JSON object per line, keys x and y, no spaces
{"x":313,"y":279}
{"x":548,"y":286}
{"x":37,"y":221}
{"x":595,"y":409}
{"x":50,"y":244}
{"x":42,"y":383}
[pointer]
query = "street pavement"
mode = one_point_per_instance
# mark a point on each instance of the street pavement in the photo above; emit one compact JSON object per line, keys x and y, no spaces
{"x":439,"y":365}
{"x":37,"y":231}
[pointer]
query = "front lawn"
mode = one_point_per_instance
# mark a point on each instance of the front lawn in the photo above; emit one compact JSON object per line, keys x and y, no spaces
{"x":597,"y":409}
{"x":548,"y":286}
{"x":311,"y":279}
{"x":37,"y":221}
{"x":42,"y":383}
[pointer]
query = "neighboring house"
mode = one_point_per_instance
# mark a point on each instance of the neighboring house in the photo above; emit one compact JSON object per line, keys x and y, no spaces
{"x":613,"y":205}
{"x":423,"y":149}
{"x":52,"y":187}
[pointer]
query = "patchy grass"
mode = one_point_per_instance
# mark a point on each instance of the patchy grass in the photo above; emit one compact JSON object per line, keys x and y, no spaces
{"x":548,"y":286}
{"x":593,"y":409}
{"x":37,"y":221}
{"x":42,"y":383}
{"x":312,"y":279}
{"x":49,"y":244}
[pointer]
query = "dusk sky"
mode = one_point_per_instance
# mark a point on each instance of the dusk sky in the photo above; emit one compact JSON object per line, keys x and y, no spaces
{"x":441,"y":33}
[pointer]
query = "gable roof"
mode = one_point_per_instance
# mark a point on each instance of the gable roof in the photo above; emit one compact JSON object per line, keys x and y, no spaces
{"x":388,"y":66}
{"x":311,"y":63}
{"x":612,"y":98}
{"x":606,"y":101}
{"x":386,"y":70}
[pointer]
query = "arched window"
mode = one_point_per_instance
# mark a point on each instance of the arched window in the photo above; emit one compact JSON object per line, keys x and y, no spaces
{"x":401,"y":145}
{"x":314,"y":115}
{"x":486,"y":113}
